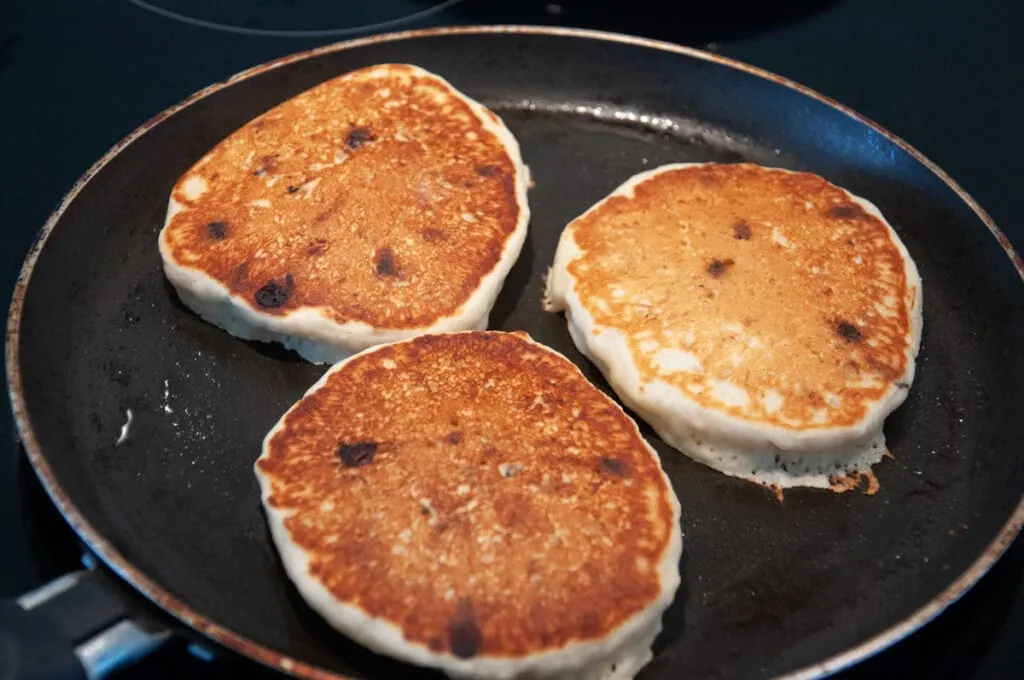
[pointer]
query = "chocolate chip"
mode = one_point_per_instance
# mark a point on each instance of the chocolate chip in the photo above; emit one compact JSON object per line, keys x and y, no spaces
{"x":218,"y":231}
{"x":385,"y":263}
{"x":292,"y":188}
{"x":488,"y":170}
{"x":718,"y":267}
{"x":463,"y":633}
{"x":741,"y":230}
{"x":455,"y":437}
{"x":358,"y":136}
{"x":274,"y":294}
{"x":848,"y":332}
{"x":613,"y":466}
{"x":357,"y":455}
{"x":903,"y":385}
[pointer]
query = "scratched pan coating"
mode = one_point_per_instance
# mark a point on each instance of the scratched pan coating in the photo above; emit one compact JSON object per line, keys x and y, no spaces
{"x":804,"y":587}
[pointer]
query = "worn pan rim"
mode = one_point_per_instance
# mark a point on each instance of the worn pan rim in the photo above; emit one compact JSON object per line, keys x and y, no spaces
{"x":97,"y":543}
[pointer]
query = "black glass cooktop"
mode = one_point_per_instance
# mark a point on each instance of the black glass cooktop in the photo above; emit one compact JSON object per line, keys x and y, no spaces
{"x":77,"y":76}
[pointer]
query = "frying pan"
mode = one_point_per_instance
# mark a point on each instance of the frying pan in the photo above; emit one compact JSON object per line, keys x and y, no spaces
{"x":796,"y":589}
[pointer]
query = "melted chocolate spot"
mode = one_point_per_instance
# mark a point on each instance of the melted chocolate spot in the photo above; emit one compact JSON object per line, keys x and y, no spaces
{"x":357,"y":455}
{"x":613,"y":466}
{"x":292,"y":188}
{"x":717,"y":268}
{"x":903,"y":385}
{"x":359,"y":136}
{"x":488,"y":170}
{"x":274,"y":294}
{"x":218,"y":231}
{"x":848,"y":332}
{"x":463,"y":633}
{"x":385,"y":264}
{"x":455,"y":437}
{"x":741,"y":230}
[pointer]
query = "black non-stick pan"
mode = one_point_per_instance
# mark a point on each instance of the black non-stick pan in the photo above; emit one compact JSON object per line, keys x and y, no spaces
{"x":802,"y":587}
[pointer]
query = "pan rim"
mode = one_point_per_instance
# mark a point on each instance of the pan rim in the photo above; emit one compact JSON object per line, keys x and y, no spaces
{"x":99,"y":545}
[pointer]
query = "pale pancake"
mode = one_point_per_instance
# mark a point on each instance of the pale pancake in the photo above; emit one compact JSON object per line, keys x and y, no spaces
{"x":470,"y":502}
{"x":764,"y":322}
{"x":376,"y":206}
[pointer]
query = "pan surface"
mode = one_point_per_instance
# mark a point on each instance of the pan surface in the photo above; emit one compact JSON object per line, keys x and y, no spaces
{"x":803,"y":588}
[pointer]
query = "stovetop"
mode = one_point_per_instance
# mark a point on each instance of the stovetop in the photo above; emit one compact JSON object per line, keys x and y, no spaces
{"x":75,"y":77}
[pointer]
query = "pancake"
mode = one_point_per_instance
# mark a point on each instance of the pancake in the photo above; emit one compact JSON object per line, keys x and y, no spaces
{"x":376,"y":206}
{"x":469,"y":502}
{"x":764,"y":322}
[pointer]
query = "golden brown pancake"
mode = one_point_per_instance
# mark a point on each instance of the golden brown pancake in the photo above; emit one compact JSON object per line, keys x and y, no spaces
{"x":746,"y":310}
{"x":377,"y":205}
{"x":470,"y":502}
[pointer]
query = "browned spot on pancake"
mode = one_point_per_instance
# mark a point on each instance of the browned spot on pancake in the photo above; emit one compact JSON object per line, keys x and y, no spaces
{"x":432,"y":235}
{"x":355,"y":199}
{"x":652,"y":265}
{"x":436,"y":644}
{"x":883,"y":369}
{"x":239,"y":275}
{"x":708,"y":175}
{"x":717,"y":268}
{"x":217,"y":231}
{"x":275,"y":294}
{"x":316,"y":247}
{"x":358,"y":136}
{"x":463,"y":632}
{"x":385,"y":263}
{"x":268,"y":165}
{"x":848,"y":332}
{"x":443,"y":523}
{"x":848,"y":211}
{"x":741,"y":230}
{"x":355,"y":455}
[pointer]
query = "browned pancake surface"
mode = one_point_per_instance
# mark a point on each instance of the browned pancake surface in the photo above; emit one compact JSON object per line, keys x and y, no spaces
{"x":475,"y":490}
{"x":785,"y":292}
{"x":376,"y":196}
